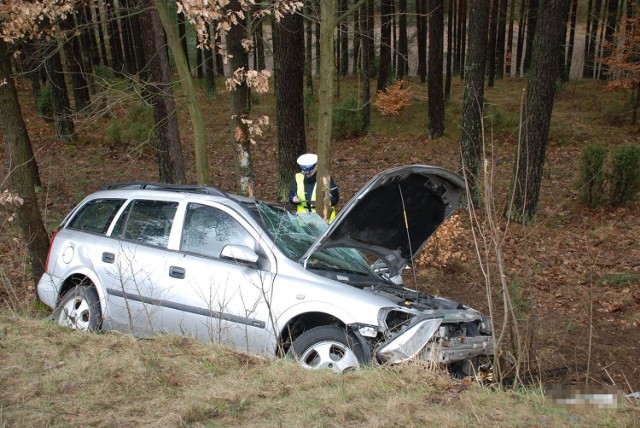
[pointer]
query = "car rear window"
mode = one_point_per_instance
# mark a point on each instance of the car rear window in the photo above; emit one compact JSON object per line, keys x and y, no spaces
{"x":96,"y":216}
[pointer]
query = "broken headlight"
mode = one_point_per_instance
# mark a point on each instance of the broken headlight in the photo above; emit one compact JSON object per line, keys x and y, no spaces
{"x":410,"y":341}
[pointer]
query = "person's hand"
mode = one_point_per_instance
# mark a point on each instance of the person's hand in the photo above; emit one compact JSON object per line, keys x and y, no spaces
{"x":296,"y":200}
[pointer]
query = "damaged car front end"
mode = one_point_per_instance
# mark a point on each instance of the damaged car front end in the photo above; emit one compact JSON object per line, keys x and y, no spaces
{"x":374,"y":238}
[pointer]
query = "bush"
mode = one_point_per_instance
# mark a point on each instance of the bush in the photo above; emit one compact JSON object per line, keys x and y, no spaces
{"x":592,"y":176}
{"x":45,"y":103}
{"x":392,"y":102}
{"x":625,"y":175}
{"x":136,"y":130}
{"x":347,"y":119}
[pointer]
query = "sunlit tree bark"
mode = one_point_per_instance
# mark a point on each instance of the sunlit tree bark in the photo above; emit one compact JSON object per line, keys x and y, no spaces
{"x":325,"y":105}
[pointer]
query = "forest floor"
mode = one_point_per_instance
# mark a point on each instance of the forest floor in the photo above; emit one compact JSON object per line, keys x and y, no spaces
{"x":574,"y":275}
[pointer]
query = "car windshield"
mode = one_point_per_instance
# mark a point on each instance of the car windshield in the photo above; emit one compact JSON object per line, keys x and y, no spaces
{"x":293,"y":234}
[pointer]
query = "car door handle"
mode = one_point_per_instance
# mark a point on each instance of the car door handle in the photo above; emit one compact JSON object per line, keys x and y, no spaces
{"x":177,"y":272}
{"x":108,"y":257}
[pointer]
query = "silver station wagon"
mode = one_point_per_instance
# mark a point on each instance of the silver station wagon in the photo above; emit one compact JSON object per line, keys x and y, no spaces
{"x":149,"y":258}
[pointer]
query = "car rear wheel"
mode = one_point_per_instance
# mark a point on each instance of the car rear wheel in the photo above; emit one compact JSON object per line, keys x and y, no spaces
{"x":327,"y":347}
{"x":79,"y":309}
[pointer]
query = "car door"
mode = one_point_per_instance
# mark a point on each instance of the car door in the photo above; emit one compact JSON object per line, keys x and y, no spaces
{"x":138,"y":283}
{"x":216,"y":298}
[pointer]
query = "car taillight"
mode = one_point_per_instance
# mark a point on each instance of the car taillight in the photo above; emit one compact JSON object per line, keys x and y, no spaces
{"x":53,"y":237}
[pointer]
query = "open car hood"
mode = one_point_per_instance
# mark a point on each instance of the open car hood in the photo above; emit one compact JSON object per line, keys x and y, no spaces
{"x":394,"y":214}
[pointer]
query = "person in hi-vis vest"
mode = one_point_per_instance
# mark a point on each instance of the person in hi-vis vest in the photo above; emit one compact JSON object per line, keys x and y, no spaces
{"x":303,"y":187}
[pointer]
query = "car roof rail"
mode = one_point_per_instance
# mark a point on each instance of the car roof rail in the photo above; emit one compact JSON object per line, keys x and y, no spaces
{"x":186,"y":188}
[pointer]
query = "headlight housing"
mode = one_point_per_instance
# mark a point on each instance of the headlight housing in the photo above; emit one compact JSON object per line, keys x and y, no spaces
{"x":408,"y":343}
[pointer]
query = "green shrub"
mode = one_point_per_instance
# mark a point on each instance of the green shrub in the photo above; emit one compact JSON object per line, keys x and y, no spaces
{"x":625,"y":175}
{"x":135,"y":131}
{"x":347,"y":119}
{"x":45,"y":103}
{"x":592,"y":175}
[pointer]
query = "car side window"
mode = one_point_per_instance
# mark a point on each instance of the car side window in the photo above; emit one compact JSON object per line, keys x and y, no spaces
{"x":96,"y":216}
{"x":146,"y":222}
{"x":207,"y":230}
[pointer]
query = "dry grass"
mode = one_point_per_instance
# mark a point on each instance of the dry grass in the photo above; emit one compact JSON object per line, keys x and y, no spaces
{"x":54,"y":377}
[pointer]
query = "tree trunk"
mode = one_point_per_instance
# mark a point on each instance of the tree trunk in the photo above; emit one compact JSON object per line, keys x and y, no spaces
{"x":435,"y":91}
{"x":500,"y":39}
{"x":573,"y":13}
{"x":138,"y":49}
{"x":288,"y":64}
{"x":447,"y":85}
{"x":612,"y":23}
{"x":532,"y":20}
{"x":421,"y":35}
{"x":365,"y":68}
{"x":541,"y":86}
{"x":325,"y":107}
{"x":219,"y":58}
{"x":463,"y":36}
{"x":344,"y":41}
{"x":19,"y":155}
{"x":65,"y":129}
{"x":357,"y":32}
{"x":191,"y":99}
{"x":317,"y":43}
{"x":182,"y":33}
{"x":199,"y":63}
{"x":103,"y":44}
{"x":259,"y":46}
{"x":73,"y":54}
{"x":168,"y":150}
{"x":591,"y":43}
{"x":240,"y":102}
{"x":403,"y":44}
{"x":509,"y":55}
{"x":473,"y":105}
{"x":386,"y":9}
{"x":308,"y":62}
{"x":117,"y":58}
{"x":520,"y":43}
{"x":371,"y":36}
{"x":491,"y":45}
{"x":88,"y":37}
{"x":127,"y":38}
{"x":209,"y":69}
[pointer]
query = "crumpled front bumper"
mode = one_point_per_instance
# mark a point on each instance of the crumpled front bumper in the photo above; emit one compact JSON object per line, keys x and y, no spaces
{"x":419,"y":340}
{"x":446,"y":351}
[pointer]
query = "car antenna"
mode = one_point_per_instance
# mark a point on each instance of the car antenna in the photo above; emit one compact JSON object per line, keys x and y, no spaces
{"x":406,"y":225}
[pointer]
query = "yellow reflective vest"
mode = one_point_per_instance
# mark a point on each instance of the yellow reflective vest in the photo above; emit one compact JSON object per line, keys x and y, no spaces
{"x":302,"y":206}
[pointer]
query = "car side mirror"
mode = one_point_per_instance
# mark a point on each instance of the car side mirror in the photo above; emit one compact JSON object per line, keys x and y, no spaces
{"x":240,"y":254}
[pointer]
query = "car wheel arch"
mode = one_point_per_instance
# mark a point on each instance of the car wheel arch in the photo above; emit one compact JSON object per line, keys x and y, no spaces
{"x":301,"y":323}
{"x":80,"y":279}
{"x":308,"y":320}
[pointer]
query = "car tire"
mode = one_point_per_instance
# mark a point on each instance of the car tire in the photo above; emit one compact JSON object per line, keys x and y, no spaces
{"x":328,"y":347}
{"x":79,"y":309}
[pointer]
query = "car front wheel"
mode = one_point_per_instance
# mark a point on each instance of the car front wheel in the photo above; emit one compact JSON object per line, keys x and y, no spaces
{"x":327,"y":347}
{"x":79,"y":309}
